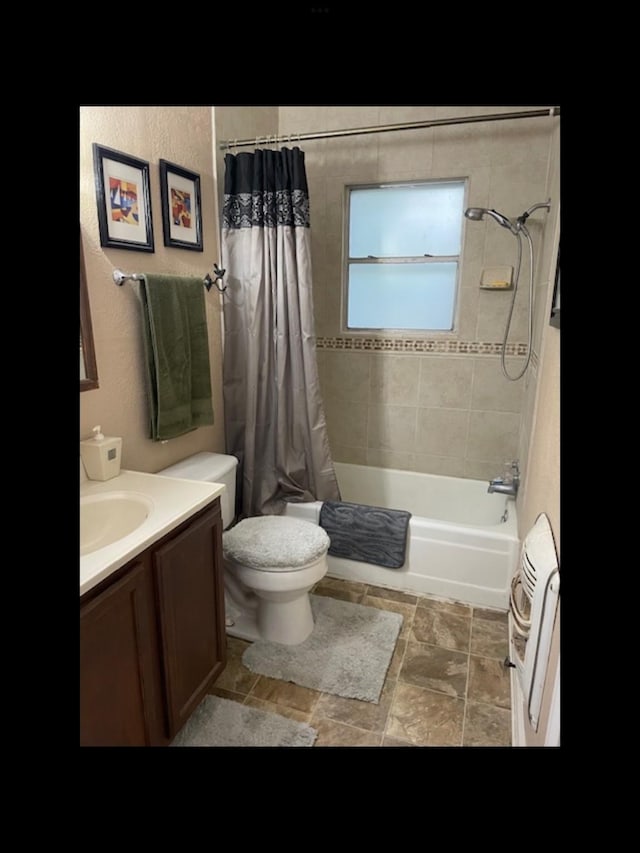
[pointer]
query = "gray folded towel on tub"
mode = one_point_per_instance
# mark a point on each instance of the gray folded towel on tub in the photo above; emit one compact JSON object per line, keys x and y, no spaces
{"x":371,"y":534}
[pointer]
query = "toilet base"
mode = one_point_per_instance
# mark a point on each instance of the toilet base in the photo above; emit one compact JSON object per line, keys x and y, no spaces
{"x":287,"y":622}
{"x":244,"y":626}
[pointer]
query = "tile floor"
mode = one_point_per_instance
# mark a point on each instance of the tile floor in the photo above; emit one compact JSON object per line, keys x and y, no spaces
{"x":446,"y":685}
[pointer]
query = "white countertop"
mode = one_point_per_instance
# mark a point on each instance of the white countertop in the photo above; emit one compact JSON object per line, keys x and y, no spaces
{"x":174,"y":500}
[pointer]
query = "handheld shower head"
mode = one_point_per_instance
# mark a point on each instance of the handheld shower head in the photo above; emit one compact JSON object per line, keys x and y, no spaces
{"x":475,"y":213}
{"x":478,"y":213}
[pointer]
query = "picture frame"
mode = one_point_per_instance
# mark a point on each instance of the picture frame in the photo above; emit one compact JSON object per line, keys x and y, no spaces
{"x":124,"y":200}
{"x":181,"y":207}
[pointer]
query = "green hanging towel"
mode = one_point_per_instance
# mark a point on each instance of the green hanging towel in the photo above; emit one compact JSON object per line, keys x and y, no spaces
{"x":176,"y":354}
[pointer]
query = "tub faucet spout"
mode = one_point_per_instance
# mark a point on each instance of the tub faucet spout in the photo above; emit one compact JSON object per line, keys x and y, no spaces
{"x":507,"y":485}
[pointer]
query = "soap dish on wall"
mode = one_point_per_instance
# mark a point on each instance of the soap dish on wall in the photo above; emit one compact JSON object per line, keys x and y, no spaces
{"x":497,"y":278}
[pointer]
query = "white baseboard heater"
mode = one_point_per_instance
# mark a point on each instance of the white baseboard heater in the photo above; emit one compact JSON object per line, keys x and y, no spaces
{"x":535,"y":590}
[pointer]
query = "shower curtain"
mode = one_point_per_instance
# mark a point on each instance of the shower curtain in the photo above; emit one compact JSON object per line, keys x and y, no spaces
{"x":274,"y":417}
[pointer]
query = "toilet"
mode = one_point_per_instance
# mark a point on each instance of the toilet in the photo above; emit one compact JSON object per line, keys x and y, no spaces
{"x":271,"y":562}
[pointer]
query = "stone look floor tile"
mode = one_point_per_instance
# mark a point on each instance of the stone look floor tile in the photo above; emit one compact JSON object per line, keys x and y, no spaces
{"x":405,"y":610}
{"x":235,"y":676}
{"x":285,"y":693}
{"x":396,"y":660}
{"x":440,"y":627}
{"x":363,"y":715}
{"x":392,"y":594}
{"x":491,"y":615}
{"x":282,"y":710}
{"x":425,"y":718}
{"x":227,"y":694}
{"x":489,"y":639}
{"x":331,"y":733}
{"x":453,"y":607}
{"x":486,"y":725}
{"x":436,"y":668}
{"x":489,"y":682}
{"x":395,"y":741}
{"x":412,"y":710}
{"x":344,"y":590}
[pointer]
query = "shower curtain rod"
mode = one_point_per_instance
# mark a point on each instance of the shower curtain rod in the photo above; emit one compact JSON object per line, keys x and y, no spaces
{"x":386,"y":128}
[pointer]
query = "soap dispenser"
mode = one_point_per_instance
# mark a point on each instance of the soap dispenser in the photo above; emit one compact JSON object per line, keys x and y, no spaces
{"x":101,"y":455}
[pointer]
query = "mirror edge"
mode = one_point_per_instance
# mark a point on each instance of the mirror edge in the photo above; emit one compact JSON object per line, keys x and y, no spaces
{"x":86,"y":330}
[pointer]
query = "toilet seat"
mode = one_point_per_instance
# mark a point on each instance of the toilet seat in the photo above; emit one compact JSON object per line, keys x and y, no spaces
{"x":272,"y":543}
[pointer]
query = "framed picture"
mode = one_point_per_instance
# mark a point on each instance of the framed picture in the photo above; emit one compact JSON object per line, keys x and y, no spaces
{"x":124,"y":200}
{"x":181,"y":209}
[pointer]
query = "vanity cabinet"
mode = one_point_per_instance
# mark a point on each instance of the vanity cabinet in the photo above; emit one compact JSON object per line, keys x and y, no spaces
{"x":152,"y":638}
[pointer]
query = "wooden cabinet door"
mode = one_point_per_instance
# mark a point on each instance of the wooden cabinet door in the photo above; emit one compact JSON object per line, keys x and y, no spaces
{"x":120,"y":690}
{"x":189,"y":581}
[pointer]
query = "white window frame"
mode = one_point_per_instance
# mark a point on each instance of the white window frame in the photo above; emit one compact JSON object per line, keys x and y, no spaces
{"x":346,"y":260}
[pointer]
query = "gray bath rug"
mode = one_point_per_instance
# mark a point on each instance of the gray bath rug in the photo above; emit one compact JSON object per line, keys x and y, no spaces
{"x":348,"y":652}
{"x":221,"y":722}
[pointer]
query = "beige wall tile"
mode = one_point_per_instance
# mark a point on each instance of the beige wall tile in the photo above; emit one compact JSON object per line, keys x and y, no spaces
{"x":314,"y":159}
{"x":346,"y":422}
{"x":491,"y":390}
{"x":348,"y":453}
{"x":445,"y":382}
{"x":515,"y":187}
{"x":476,"y":469}
{"x":394,"y":379}
{"x":519,"y":141}
{"x":493,"y":313}
{"x":341,"y":118}
{"x":446,"y":466}
{"x":467,"y":314}
{"x":392,"y":427}
{"x":353,"y":159}
{"x":493,"y":435}
{"x":458,"y":148}
{"x":391,"y":459}
{"x":541,"y":312}
{"x":409,"y":151}
{"x":398,"y":115}
{"x":294,"y":120}
{"x":442,"y":432}
{"x":345,"y":376}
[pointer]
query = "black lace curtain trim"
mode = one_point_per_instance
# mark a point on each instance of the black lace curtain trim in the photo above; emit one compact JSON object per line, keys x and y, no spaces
{"x":265,"y":189}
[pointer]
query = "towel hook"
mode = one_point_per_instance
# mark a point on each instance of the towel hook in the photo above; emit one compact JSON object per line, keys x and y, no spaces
{"x":208,"y":281}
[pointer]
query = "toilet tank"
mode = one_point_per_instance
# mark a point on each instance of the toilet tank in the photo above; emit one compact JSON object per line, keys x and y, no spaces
{"x":210,"y":468}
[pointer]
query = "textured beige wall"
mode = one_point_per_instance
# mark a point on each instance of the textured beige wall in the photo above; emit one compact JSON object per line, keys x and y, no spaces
{"x":541,"y":437}
{"x":182,"y":135}
{"x":443,"y":414}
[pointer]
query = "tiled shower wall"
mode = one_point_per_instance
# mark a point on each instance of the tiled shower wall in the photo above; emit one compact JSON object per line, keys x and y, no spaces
{"x":439,"y":403}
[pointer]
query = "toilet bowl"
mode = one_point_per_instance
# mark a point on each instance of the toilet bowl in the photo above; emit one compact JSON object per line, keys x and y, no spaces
{"x":270,"y":562}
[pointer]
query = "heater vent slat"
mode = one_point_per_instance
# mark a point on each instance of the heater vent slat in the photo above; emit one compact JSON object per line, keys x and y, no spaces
{"x":533,"y":603}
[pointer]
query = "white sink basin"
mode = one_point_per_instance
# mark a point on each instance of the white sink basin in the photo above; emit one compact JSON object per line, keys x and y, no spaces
{"x":110,"y":516}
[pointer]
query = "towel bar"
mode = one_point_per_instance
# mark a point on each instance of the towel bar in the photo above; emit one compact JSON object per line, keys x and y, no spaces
{"x":120,"y":277}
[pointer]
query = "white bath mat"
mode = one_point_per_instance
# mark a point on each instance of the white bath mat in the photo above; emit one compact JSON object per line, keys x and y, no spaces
{"x":348,"y":652}
{"x":222,"y":722}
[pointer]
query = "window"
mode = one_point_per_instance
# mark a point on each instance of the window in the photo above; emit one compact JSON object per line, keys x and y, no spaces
{"x":402,"y":255}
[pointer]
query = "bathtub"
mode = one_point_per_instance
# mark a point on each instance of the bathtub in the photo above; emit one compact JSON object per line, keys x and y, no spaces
{"x":463,"y":542}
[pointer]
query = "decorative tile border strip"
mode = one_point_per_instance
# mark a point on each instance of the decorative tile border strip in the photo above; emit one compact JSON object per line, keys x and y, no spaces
{"x":419,"y":345}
